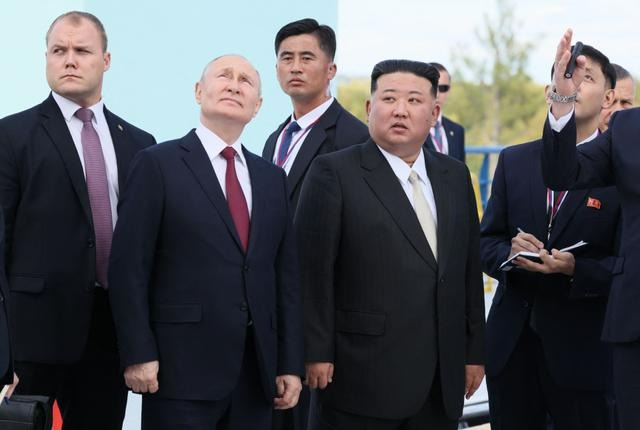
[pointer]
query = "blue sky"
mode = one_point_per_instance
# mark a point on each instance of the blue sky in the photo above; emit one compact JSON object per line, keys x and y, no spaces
{"x":372,"y":30}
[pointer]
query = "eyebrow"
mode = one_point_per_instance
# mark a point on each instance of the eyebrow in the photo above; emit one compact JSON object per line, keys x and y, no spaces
{"x":393,"y":90}
{"x":283,"y":53}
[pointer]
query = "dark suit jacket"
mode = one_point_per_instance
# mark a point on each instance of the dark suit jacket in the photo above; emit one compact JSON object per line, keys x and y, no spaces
{"x":455,"y":139}
{"x":50,"y":252}
{"x":336,"y":129}
{"x":613,"y":158}
{"x":567,"y":313}
{"x":6,"y":360}
{"x":377,"y":304}
{"x":182,"y":289}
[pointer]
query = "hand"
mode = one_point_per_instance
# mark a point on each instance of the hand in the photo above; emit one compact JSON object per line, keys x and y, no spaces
{"x":289,"y":387}
{"x":556,"y":262}
{"x":562,"y":85}
{"x":13,"y":386}
{"x":473,"y":374}
{"x":525,"y":242}
{"x":319,"y":375}
{"x":143,"y":377}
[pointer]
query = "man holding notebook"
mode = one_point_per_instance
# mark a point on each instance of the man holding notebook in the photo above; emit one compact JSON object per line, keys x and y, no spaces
{"x":544,"y":354}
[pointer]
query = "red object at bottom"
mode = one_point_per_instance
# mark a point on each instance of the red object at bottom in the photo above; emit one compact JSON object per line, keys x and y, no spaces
{"x":57,"y":418}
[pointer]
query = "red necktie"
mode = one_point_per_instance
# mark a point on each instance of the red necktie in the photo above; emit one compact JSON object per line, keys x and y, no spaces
{"x":235,"y":198}
{"x":98,"y":188}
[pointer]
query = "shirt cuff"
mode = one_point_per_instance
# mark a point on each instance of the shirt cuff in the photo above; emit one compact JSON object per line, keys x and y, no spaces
{"x":558,"y":124}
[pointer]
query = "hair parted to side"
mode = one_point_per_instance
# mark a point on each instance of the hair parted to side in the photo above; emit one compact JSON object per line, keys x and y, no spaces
{"x":325,"y":34}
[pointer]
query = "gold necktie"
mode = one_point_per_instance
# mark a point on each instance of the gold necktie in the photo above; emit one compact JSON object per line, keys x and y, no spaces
{"x":425,"y":216}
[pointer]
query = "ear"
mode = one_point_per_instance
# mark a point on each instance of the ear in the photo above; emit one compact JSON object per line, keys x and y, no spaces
{"x":198,"y":92}
{"x":435,"y":113}
{"x":257,"y":108}
{"x":367,"y":108}
{"x":547,"y":88}
{"x":331,"y":72}
{"x":609,"y":98}
{"x":107,"y":60}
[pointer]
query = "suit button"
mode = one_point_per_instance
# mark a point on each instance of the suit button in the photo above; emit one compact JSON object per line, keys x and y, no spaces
{"x":525,"y":304}
{"x":244,"y":307}
{"x":442,"y":280}
{"x":91,"y":243}
{"x":245,"y":268}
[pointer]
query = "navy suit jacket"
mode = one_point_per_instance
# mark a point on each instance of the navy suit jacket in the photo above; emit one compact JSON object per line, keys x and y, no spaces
{"x":567,"y":313}
{"x":50,"y":244}
{"x":377,"y":304}
{"x":182,"y":289}
{"x":6,"y":360}
{"x":455,"y":139}
{"x":336,"y":129}
{"x":611,"y":159}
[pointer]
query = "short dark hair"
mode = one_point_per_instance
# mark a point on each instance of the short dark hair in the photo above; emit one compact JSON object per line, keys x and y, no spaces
{"x":605,"y":65}
{"x":621,"y":72}
{"x":440,"y":68}
{"x":76,"y":17}
{"x":418,"y":68}
{"x":325,"y":34}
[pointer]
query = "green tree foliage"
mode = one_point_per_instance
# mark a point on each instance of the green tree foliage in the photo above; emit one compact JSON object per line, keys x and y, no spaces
{"x":353,"y":93}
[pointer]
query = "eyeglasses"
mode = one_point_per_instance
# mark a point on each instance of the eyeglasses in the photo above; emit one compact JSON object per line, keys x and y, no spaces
{"x":444,"y":88}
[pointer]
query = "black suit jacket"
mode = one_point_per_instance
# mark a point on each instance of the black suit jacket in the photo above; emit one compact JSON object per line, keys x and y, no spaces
{"x":336,"y":129}
{"x":50,"y":247}
{"x":377,"y":304}
{"x":181,"y":287}
{"x":567,"y":313}
{"x":455,"y":139}
{"x":6,"y":360}
{"x":613,"y":158}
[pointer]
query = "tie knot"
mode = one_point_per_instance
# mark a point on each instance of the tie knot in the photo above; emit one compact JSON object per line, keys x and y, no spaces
{"x":228,"y":153}
{"x":413,"y":177}
{"x":293,"y":127}
{"x":84,"y":114}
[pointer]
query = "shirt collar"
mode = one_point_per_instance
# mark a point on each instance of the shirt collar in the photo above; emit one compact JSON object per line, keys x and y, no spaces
{"x":214,"y":145}
{"x":593,"y":136}
{"x":402,"y":170}
{"x":69,"y":108}
{"x":309,"y":118}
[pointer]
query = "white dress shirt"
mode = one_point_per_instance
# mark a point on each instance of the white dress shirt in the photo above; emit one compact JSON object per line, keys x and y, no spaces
{"x":214,"y":146}
{"x":443,"y":133}
{"x":101,"y":126}
{"x":305,"y":122}
{"x":402,"y":171}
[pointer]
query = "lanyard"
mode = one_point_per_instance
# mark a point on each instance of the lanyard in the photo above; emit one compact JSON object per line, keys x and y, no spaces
{"x":554,"y":201}
{"x":302,"y":133}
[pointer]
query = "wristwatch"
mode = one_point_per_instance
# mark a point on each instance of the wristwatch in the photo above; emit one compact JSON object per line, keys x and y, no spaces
{"x":555,"y":97}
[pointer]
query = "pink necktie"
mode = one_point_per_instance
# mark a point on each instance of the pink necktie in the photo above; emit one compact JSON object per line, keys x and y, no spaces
{"x":98,"y":188}
{"x":235,"y":198}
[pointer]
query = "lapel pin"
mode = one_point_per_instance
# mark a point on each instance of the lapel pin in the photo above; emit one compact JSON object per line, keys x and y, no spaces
{"x":593,"y":203}
{"x":120,"y":127}
{"x":451,"y":133}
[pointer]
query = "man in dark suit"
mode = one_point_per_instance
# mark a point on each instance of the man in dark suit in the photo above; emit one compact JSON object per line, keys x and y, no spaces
{"x":388,"y":236}
{"x":624,"y":96}
{"x":305,"y":51}
{"x":305,"y":68}
{"x":446,"y":136}
{"x":613,"y":158}
{"x":62,"y":167}
{"x":203,"y":273}
{"x":544,"y":353}
{"x":7,"y":377}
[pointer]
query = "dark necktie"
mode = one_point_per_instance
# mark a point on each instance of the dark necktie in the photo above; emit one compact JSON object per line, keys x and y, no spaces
{"x":98,"y":188}
{"x":235,"y":198}
{"x":286,"y":142}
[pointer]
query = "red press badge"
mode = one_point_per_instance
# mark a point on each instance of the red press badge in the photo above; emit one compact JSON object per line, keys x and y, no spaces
{"x":593,"y":203}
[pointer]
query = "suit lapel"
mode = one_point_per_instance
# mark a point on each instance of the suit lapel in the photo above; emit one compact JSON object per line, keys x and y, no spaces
{"x":444,"y":206}
{"x":269,"y":150}
{"x":312,"y":144}
{"x":123,"y":149}
{"x":386,"y":186}
{"x":429,"y":143}
{"x":258,"y":198}
{"x":538,"y":194}
{"x":198,"y":162}
{"x":56,"y":127}
{"x":573,"y":200}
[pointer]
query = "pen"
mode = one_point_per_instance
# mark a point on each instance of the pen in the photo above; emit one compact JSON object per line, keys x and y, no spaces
{"x":520,"y":230}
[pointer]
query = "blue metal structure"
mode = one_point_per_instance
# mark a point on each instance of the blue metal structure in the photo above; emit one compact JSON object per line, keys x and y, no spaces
{"x":484,"y":176}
